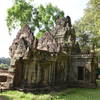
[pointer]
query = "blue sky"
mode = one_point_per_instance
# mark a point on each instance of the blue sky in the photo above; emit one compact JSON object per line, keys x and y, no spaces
{"x":73,"y":8}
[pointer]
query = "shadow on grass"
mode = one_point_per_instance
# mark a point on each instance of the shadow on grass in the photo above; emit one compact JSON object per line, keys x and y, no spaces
{"x":66,"y":94}
{"x":2,"y":97}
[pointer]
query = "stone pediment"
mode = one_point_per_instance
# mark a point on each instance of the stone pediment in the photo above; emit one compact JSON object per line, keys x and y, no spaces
{"x":48,"y":43}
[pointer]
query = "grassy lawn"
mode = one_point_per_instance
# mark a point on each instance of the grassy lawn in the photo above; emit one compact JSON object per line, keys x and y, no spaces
{"x":68,"y":94}
{"x":98,"y":82}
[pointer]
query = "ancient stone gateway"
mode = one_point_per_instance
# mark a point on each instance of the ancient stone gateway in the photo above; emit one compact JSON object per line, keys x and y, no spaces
{"x":53,"y":60}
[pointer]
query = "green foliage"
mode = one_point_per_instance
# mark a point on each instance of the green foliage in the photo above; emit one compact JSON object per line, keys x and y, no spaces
{"x":98,"y":82}
{"x":46,"y":18}
{"x":4,"y":66}
{"x":88,"y":27}
{"x":5,"y":61}
{"x":40,"y":34}
{"x":19,"y":15}
{"x":16,"y":1}
{"x":42,"y":18}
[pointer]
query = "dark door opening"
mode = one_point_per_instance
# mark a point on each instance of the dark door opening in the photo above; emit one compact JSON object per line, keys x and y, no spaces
{"x":80,"y":73}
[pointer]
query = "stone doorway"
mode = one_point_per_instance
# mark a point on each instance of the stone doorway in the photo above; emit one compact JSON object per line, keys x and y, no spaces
{"x":80,"y":73}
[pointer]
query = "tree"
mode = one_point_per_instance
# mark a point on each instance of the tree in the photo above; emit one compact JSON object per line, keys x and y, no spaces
{"x":40,"y":19}
{"x":47,"y":17}
{"x":4,"y":66}
{"x":4,"y":63}
{"x":89,"y":25}
{"x":4,"y":60}
{"x":19,"y":14}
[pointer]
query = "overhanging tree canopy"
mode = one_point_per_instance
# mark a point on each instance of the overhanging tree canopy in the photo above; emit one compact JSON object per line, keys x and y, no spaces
{"x":41,"y":18}
{"x":88,"y":27}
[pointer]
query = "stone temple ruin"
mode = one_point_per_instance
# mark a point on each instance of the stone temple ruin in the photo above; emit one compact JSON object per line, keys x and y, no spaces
{"x":53,"y":60}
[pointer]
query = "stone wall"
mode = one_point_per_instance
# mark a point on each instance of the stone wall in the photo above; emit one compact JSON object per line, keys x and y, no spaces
{"x":84,"y":70}
{"x":6,"y":79}
{"x":49,"y":70}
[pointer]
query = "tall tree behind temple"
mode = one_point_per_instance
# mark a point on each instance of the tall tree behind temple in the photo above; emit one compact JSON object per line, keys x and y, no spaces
{"x":41,"y":18}
{"x":88,"y":27}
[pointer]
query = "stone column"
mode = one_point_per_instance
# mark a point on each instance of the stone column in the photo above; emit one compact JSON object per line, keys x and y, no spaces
{"x":38,"y":73}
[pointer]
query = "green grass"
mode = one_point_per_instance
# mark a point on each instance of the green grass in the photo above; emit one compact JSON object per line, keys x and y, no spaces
{"x":68,"y":94}
{"x":98,"y":82}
